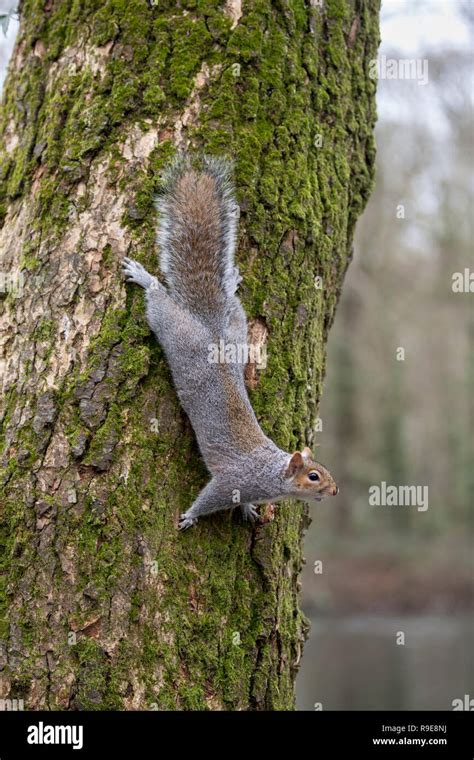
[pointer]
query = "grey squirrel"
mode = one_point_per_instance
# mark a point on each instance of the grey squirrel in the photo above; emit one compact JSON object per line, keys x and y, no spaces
{"x":197,"y":229}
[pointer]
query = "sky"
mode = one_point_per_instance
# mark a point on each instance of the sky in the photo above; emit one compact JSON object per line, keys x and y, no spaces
{"x":417,"y":26}
{"x":420,"y":29}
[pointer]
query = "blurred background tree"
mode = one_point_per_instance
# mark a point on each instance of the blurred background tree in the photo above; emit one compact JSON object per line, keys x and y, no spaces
{"x":389,"y":569}
{"x":407,"y":422}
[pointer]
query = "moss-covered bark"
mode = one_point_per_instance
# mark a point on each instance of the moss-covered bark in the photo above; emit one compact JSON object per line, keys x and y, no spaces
{"x":104,"y":605}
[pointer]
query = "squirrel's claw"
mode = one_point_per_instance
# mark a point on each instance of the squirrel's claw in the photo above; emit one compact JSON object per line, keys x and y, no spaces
{"x":237,"y":279}
{"x":238,"y":276}
{"x":135,"y":272}
{"x":186,"y":522}
{"x":249,"y":512}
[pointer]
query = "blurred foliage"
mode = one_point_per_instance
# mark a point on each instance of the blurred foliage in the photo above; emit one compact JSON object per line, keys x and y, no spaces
{"x":405,"y":422}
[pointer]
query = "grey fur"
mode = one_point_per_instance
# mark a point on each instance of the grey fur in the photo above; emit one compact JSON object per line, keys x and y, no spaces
{"x":247,"y":468}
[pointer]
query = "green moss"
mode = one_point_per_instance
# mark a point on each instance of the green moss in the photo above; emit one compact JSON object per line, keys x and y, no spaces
{"x":96,"y":684}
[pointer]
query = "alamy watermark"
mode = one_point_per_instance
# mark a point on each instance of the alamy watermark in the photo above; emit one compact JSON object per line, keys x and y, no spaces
{"x":463,"y":282}
{"x":237,"y":353}
{"x":11,"y":705}
{"x":12,"y":282}
{"x":384,"y":495}
{"x":466,"y":703}
{"x":49,"y":734}
{"x":399,"y":68}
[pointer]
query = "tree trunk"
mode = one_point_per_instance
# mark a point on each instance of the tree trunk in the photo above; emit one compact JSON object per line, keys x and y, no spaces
{"x":104,"y":604}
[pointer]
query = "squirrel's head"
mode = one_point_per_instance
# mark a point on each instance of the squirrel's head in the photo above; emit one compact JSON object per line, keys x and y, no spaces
{"x":308,"y":480}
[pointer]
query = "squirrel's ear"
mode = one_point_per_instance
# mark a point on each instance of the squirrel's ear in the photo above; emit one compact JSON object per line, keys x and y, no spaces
{"x":307,"y":453}
{"x":295,"y":464}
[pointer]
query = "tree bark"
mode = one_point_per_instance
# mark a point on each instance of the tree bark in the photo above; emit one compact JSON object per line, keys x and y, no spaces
{"x":104,"y":604}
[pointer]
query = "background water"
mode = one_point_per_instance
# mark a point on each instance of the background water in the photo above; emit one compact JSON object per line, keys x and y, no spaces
{"x":354,"y":663}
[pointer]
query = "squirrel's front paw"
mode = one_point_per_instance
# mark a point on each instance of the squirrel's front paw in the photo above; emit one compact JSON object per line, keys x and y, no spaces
{"x":135,"y":272}
{"x":249,"y":512}
{"x":186,"y":522}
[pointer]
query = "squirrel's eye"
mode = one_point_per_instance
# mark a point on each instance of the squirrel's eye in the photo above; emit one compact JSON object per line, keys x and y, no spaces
{"x":314,"y":476}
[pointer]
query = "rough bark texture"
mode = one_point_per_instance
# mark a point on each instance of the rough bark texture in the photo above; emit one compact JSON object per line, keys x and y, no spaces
{"x":104,"y":605}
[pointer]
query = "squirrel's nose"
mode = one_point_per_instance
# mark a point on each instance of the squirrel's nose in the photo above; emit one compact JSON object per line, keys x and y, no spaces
{"x":335,"y":490}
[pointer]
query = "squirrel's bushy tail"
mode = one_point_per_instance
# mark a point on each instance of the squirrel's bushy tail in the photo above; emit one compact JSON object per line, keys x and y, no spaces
{"x":196,"y":235}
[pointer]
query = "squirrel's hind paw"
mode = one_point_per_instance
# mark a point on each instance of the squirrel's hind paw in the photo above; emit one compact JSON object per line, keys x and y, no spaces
{"x":135,"y":272}
{"x":186,"y":522}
